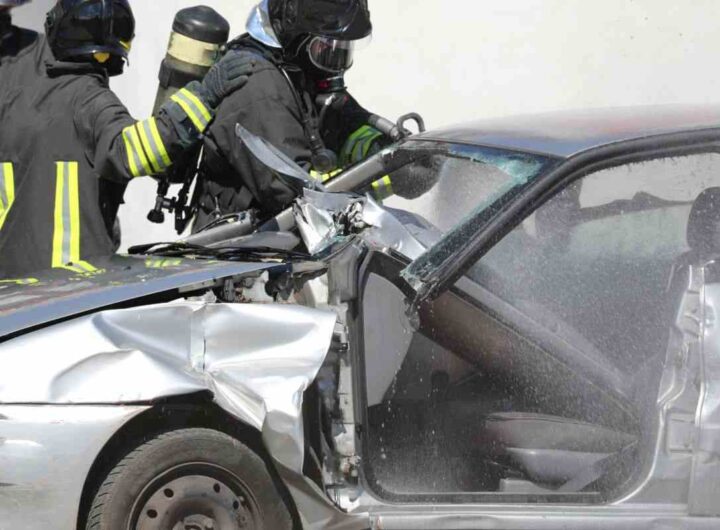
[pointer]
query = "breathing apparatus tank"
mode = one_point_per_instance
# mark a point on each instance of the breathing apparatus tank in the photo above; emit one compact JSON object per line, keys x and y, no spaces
{"x":196,"y":43}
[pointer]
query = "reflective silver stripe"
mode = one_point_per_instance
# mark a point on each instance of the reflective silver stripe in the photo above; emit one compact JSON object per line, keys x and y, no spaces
{"x":63,"y":218}
{"x":133,"y":156}
{"x":66,"y":236}
{"x":156,"y":155}
{"x":196,"y":114}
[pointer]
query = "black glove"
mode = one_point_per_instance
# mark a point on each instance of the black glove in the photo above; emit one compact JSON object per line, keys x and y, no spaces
{"x":228,"y":75}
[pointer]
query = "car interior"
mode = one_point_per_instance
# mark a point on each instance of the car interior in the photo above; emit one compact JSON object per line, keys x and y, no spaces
{"x":537,"y":375}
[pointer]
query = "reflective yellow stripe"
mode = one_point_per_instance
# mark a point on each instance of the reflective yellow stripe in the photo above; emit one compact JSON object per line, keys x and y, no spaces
{"x":148,"y":147}
{"x":199,"y":115}
{"x":358,"y":150}
{"x":23,"y":281}
{"x":383,"y":188}
{"x":133,"y":160}
{"x":137,"y":160}
{"x":364,"y":145}
{"x":158,"y":141}
{"x":162,"y":263}
{"x":7,"y":190}
{"x":199,"y":104}
{"x":358,"y":145}
{"x":139,"y":150}
{"x":324,"y":177}
{"x":66,"y":236}
{"x":59,"y":234}
{"x":83,"y":267}
{"x":350,"y":143}
{"x":74,"y":202}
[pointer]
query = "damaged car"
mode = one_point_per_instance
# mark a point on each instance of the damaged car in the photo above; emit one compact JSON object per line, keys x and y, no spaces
{"x":524,"y":335}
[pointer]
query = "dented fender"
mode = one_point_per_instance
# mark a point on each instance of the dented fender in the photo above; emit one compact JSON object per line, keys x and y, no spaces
{"x":255,"y":360}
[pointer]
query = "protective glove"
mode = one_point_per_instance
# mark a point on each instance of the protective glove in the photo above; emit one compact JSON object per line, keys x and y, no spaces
{"x":228,"y":75}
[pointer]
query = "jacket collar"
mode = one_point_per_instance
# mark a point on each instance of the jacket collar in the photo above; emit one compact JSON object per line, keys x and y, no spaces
{"x":56,"y":68}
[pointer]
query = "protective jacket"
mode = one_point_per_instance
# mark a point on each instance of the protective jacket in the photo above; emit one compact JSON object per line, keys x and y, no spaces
{"x":232,"y":180}
{"x":68,"y":146}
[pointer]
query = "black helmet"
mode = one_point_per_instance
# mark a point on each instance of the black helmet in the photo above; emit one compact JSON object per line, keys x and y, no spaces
{"x":321,"y":33}
{"x":346,"y":20}
{"x":99,"y":30}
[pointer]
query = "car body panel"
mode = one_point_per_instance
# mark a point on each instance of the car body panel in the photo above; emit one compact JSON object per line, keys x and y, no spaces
{"x":54,"y":295}
{"x":568,"y":133}
{"x":39,"y":446}
{"x":255,"y":360}
{"x":705,"y":481}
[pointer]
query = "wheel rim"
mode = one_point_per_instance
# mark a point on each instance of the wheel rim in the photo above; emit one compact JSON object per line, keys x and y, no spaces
{"x":196,"y":497}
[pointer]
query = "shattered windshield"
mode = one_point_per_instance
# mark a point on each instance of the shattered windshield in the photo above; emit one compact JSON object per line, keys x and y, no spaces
{"x":446,"y":193}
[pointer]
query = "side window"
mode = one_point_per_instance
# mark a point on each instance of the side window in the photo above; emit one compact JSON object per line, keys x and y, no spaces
{"x":530,"y":376}
{"x":598,"y":257}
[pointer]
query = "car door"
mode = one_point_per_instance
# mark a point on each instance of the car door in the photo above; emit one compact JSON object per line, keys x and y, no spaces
{"x":528,"y":371}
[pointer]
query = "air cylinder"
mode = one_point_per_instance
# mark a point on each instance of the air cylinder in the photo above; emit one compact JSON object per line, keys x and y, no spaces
{"x":196,"y":42}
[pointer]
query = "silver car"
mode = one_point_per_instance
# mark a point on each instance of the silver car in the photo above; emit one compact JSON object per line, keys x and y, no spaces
{"x":523,"y":335}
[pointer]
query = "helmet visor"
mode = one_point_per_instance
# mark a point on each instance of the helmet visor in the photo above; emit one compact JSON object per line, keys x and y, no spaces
{"x":332,"y":55}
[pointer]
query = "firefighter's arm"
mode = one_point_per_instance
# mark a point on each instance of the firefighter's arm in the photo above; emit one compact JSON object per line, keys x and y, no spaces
{"x":361,"y":139}
{"x":121,"y":148}
{"x":124,"y":148}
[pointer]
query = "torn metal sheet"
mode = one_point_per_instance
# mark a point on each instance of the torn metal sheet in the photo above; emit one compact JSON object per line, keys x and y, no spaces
{"x":256,"y":360}
{"x":326,"y":218}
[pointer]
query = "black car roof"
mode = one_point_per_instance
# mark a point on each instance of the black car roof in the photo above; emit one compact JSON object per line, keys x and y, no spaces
{"x":567,"y":133}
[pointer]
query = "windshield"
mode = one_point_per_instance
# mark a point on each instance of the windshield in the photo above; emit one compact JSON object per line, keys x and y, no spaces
{"x":448,"y":193}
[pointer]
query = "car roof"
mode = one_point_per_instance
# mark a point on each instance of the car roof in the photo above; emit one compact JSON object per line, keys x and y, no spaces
{"x":567,"y":133}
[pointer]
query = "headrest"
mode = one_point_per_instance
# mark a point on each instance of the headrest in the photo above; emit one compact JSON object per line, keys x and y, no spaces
{"x":703,"y":232}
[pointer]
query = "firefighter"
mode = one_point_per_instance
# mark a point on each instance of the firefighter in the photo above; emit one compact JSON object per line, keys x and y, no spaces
{"x":68,"y":146}
{"x":308,"y":45}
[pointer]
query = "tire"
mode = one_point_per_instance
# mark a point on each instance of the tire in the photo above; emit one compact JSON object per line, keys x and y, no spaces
{"x":192,"y":478}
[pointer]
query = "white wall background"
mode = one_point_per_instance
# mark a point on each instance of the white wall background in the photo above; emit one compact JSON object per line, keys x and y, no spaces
{"x":459,"y":60}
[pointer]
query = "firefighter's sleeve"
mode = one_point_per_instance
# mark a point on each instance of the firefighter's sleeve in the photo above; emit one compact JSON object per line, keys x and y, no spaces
{"x":274,"y":120}
{"x":361,"y":140}
{"x":122,"y":148}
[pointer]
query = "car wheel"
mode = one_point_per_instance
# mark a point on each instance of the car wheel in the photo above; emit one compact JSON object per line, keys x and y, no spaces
{"x":192,"y":479}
